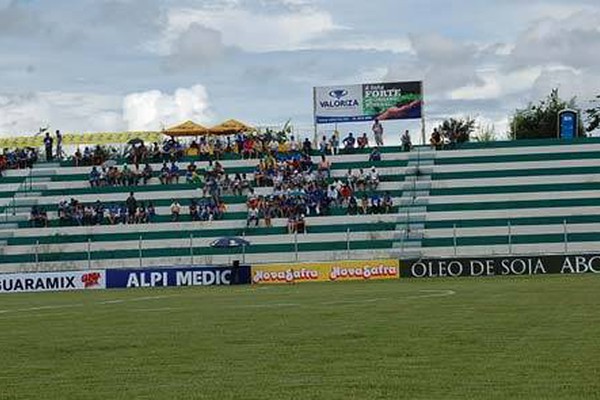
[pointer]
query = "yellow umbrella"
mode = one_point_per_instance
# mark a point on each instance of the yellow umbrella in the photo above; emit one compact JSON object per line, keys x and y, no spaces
{"x":188,"y":128}
{"x":230,"y":127}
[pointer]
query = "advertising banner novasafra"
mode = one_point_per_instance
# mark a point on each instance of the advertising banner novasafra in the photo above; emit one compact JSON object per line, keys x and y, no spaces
{"x":366,"y":102}
{"x":177,"y":276}
{"x":334,"y":271}
{"x":52,"y":281}
{"x":499,"y":266}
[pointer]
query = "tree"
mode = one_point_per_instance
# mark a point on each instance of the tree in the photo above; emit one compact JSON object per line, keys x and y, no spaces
{"x":593,"y":115}
{"x":458,"y":128}
{"x":539,"y":121}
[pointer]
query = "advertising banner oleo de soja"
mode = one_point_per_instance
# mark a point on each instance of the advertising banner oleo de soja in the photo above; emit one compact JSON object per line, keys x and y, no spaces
{"x":362,"y":270}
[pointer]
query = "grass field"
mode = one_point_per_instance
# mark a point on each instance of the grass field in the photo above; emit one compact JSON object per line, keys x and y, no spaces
{"x":504,"y":338}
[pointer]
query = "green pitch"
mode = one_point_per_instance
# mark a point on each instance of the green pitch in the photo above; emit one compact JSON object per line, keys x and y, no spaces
{"x":504,"y":338}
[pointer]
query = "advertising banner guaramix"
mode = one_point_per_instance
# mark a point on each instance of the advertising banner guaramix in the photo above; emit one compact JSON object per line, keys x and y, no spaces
{"x":499,"y":266}
{"x":334,"y":271}
{"x":177,"y":276}
{"x":366,"y":102}
{"x":51,"y":281}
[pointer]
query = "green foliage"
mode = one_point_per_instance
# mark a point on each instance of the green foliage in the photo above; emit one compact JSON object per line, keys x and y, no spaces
{"x":593,"y":115}
{"x":540,"y":121}
{"x":459,"y":128}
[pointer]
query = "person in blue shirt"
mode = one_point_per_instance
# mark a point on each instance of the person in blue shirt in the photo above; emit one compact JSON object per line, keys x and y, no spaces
{"x":375,"y":154}
{"x":349,"y":141}
{"x":94,"y":177}
{"x":174,"y":173}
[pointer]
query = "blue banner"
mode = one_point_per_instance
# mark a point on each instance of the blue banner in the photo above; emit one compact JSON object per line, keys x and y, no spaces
{"x":177,"y":276}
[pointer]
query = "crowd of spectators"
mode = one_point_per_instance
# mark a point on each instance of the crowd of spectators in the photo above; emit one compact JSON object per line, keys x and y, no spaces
{"x":18,"y":158}
{"x":73,"y":212}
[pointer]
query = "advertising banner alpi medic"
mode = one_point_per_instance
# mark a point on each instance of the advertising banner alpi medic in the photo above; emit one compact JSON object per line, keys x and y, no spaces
{"x":366,"y":102}
{"x":325,"y":271}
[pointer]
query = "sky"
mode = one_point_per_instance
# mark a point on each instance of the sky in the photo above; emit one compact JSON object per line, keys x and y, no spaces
{"x":114,"y":65}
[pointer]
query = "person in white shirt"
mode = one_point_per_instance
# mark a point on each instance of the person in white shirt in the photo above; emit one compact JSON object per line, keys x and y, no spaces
{"x":175,"y":210}
{"x":378,"y":132}
{"x":373,"y":178}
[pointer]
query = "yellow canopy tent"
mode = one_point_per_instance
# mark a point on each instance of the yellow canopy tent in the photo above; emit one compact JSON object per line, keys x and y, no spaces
{"x":230,"y":127}
{"x":188,"y":128}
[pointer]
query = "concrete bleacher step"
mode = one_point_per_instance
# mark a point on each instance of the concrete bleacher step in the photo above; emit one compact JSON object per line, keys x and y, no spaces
{"x":43,"y":173}
{"x":6,"y":229}
{"x":415,"y":194}
{"x":419,"y":170}
{"x":407,"y":244}
{"x":27,"y":194}
{"x":416,"y":185}
{"x":47,"y":165}
{"x":25,"y":202}
{"x":411,"y":201}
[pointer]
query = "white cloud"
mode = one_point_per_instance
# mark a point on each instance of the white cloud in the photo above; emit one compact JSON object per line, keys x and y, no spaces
{"x":26,"y":113}
{"x":153,"y":110}
{"x":252,"y":31}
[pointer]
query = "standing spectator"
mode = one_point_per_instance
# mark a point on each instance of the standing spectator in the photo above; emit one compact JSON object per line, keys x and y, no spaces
{"x":436,"y":139}
{"x":175,"y":210}
{"x":378,"y":132}
{"x":307,"y":146}
{"x":132,"y":205}
{"x":406,"y":142}
{"x":59,"y":151}
{"x":334,"y":142}
{"x":48,"y":144}
{"x":325,"y":166}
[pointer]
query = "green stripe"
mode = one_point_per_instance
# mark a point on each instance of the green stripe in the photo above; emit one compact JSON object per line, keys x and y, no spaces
{"x":502,"y":205}
{"x":475,"y":223}
{"x":515,"y":239}
{"x":553,"y":187}
{"x":518,"y":158}
{"x":558,"y":170}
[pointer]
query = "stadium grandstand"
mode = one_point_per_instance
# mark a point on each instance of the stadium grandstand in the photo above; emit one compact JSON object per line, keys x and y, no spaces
{"x":298,"y":201}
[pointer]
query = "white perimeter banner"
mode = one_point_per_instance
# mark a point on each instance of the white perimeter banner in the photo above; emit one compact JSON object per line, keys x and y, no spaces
{"x":52,"y":281}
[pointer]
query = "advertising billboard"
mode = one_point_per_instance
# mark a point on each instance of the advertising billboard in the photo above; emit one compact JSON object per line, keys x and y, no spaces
{"x":177,"y":276}
{"x":52,"y":281}
{"x":501,"y":266}
{"x":325,"y":271}
{"x":367,"y":102}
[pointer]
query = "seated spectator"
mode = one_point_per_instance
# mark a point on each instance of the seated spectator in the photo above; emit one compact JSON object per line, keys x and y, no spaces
{"x":252,"y":216}
{"x":94,"y":177}
{"x":113,"y":214}
{"x":376,"y":204}
{"x":291,"y":224}
{"x":350,"y":179}
{"x":373,"y":178}
{"x":141,"y":216}
{"x":193,"y":209}
{"x":349,"y":142}
{"x":123,"y":214}
{"x":98,"y":213}
{"x":300,"y":224}
{"x":387,"y":203}
{"x":406,"y":141}
{"x":436,"y":139}
{"x":361,"y":180}
{"x":363,"y":141}
{"x":364,"y":205}
{"x":352,"y":206}
{"x":375,"y":155}
{"x":173,"y":173}
{"x":325,"y":166}
{"x":147,"y":173}
{"x":175,"y":210}
{"x":332,"y":195}
{"x":164,"y":174}
{"x":151,"y":211}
